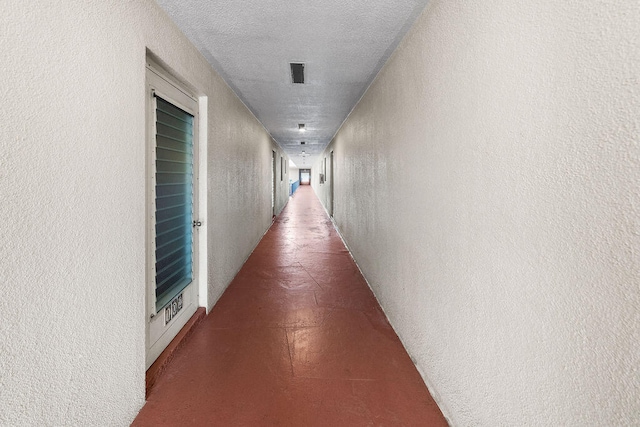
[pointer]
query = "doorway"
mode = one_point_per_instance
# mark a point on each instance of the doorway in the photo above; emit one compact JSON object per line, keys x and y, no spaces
{"x":331,"y":184}
{"x":273,"y":184}
{"x":305,"y":176}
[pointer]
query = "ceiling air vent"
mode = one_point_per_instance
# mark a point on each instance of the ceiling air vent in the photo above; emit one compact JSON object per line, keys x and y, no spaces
{"x":297,"y":73}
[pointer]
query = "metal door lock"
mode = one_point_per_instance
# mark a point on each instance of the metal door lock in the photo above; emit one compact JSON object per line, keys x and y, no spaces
{"x":197,"y":223}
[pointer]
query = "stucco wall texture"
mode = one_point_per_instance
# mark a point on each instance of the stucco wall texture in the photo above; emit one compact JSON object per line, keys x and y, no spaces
{"x":488,"y":185}
{"x":72,"y":180}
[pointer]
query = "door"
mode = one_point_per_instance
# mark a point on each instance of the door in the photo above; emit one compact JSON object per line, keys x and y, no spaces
{"x":172,"y":291}
{"x":331,"y":181}
{"x":273,"y":183}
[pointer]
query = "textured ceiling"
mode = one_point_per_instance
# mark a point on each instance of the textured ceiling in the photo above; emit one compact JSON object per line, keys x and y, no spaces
{"x":250,"y":43}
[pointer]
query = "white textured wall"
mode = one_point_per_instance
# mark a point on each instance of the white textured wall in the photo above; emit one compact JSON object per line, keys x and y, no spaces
{"x":239,"y":187}
{"x":72,"y":184}
{"x":294,"y":174}
{"x":488,"y":185}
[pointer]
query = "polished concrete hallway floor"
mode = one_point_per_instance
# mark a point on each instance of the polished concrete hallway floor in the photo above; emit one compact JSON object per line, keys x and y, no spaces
{"x":297,"y":339}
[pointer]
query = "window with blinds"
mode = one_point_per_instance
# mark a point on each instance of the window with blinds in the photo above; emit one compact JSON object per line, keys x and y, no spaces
{"x":173,"y":200}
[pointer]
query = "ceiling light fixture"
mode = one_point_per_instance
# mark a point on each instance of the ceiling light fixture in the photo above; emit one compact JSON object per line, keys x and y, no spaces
{"x":301,"y":127}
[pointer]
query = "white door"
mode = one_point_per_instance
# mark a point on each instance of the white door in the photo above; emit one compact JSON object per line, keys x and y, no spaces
{"x":331,"y":188}
{"x":273,"y":183}
{"x":172,"y":217}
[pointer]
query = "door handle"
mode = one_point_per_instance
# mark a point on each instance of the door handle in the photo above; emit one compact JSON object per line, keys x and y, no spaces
{"x":197,"y":223}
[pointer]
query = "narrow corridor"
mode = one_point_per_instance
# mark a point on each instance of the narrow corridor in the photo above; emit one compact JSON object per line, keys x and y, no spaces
{"x":297,"y":339}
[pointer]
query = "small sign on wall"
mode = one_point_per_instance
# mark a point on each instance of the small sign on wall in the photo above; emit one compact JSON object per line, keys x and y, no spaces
{"x":171,"y":310}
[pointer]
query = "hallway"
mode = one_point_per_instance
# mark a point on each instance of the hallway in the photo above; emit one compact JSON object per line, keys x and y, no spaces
{"x":297,"y":339}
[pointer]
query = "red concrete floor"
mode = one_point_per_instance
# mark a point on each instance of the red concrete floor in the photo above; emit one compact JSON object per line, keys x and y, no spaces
{"x":297,"y":339}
